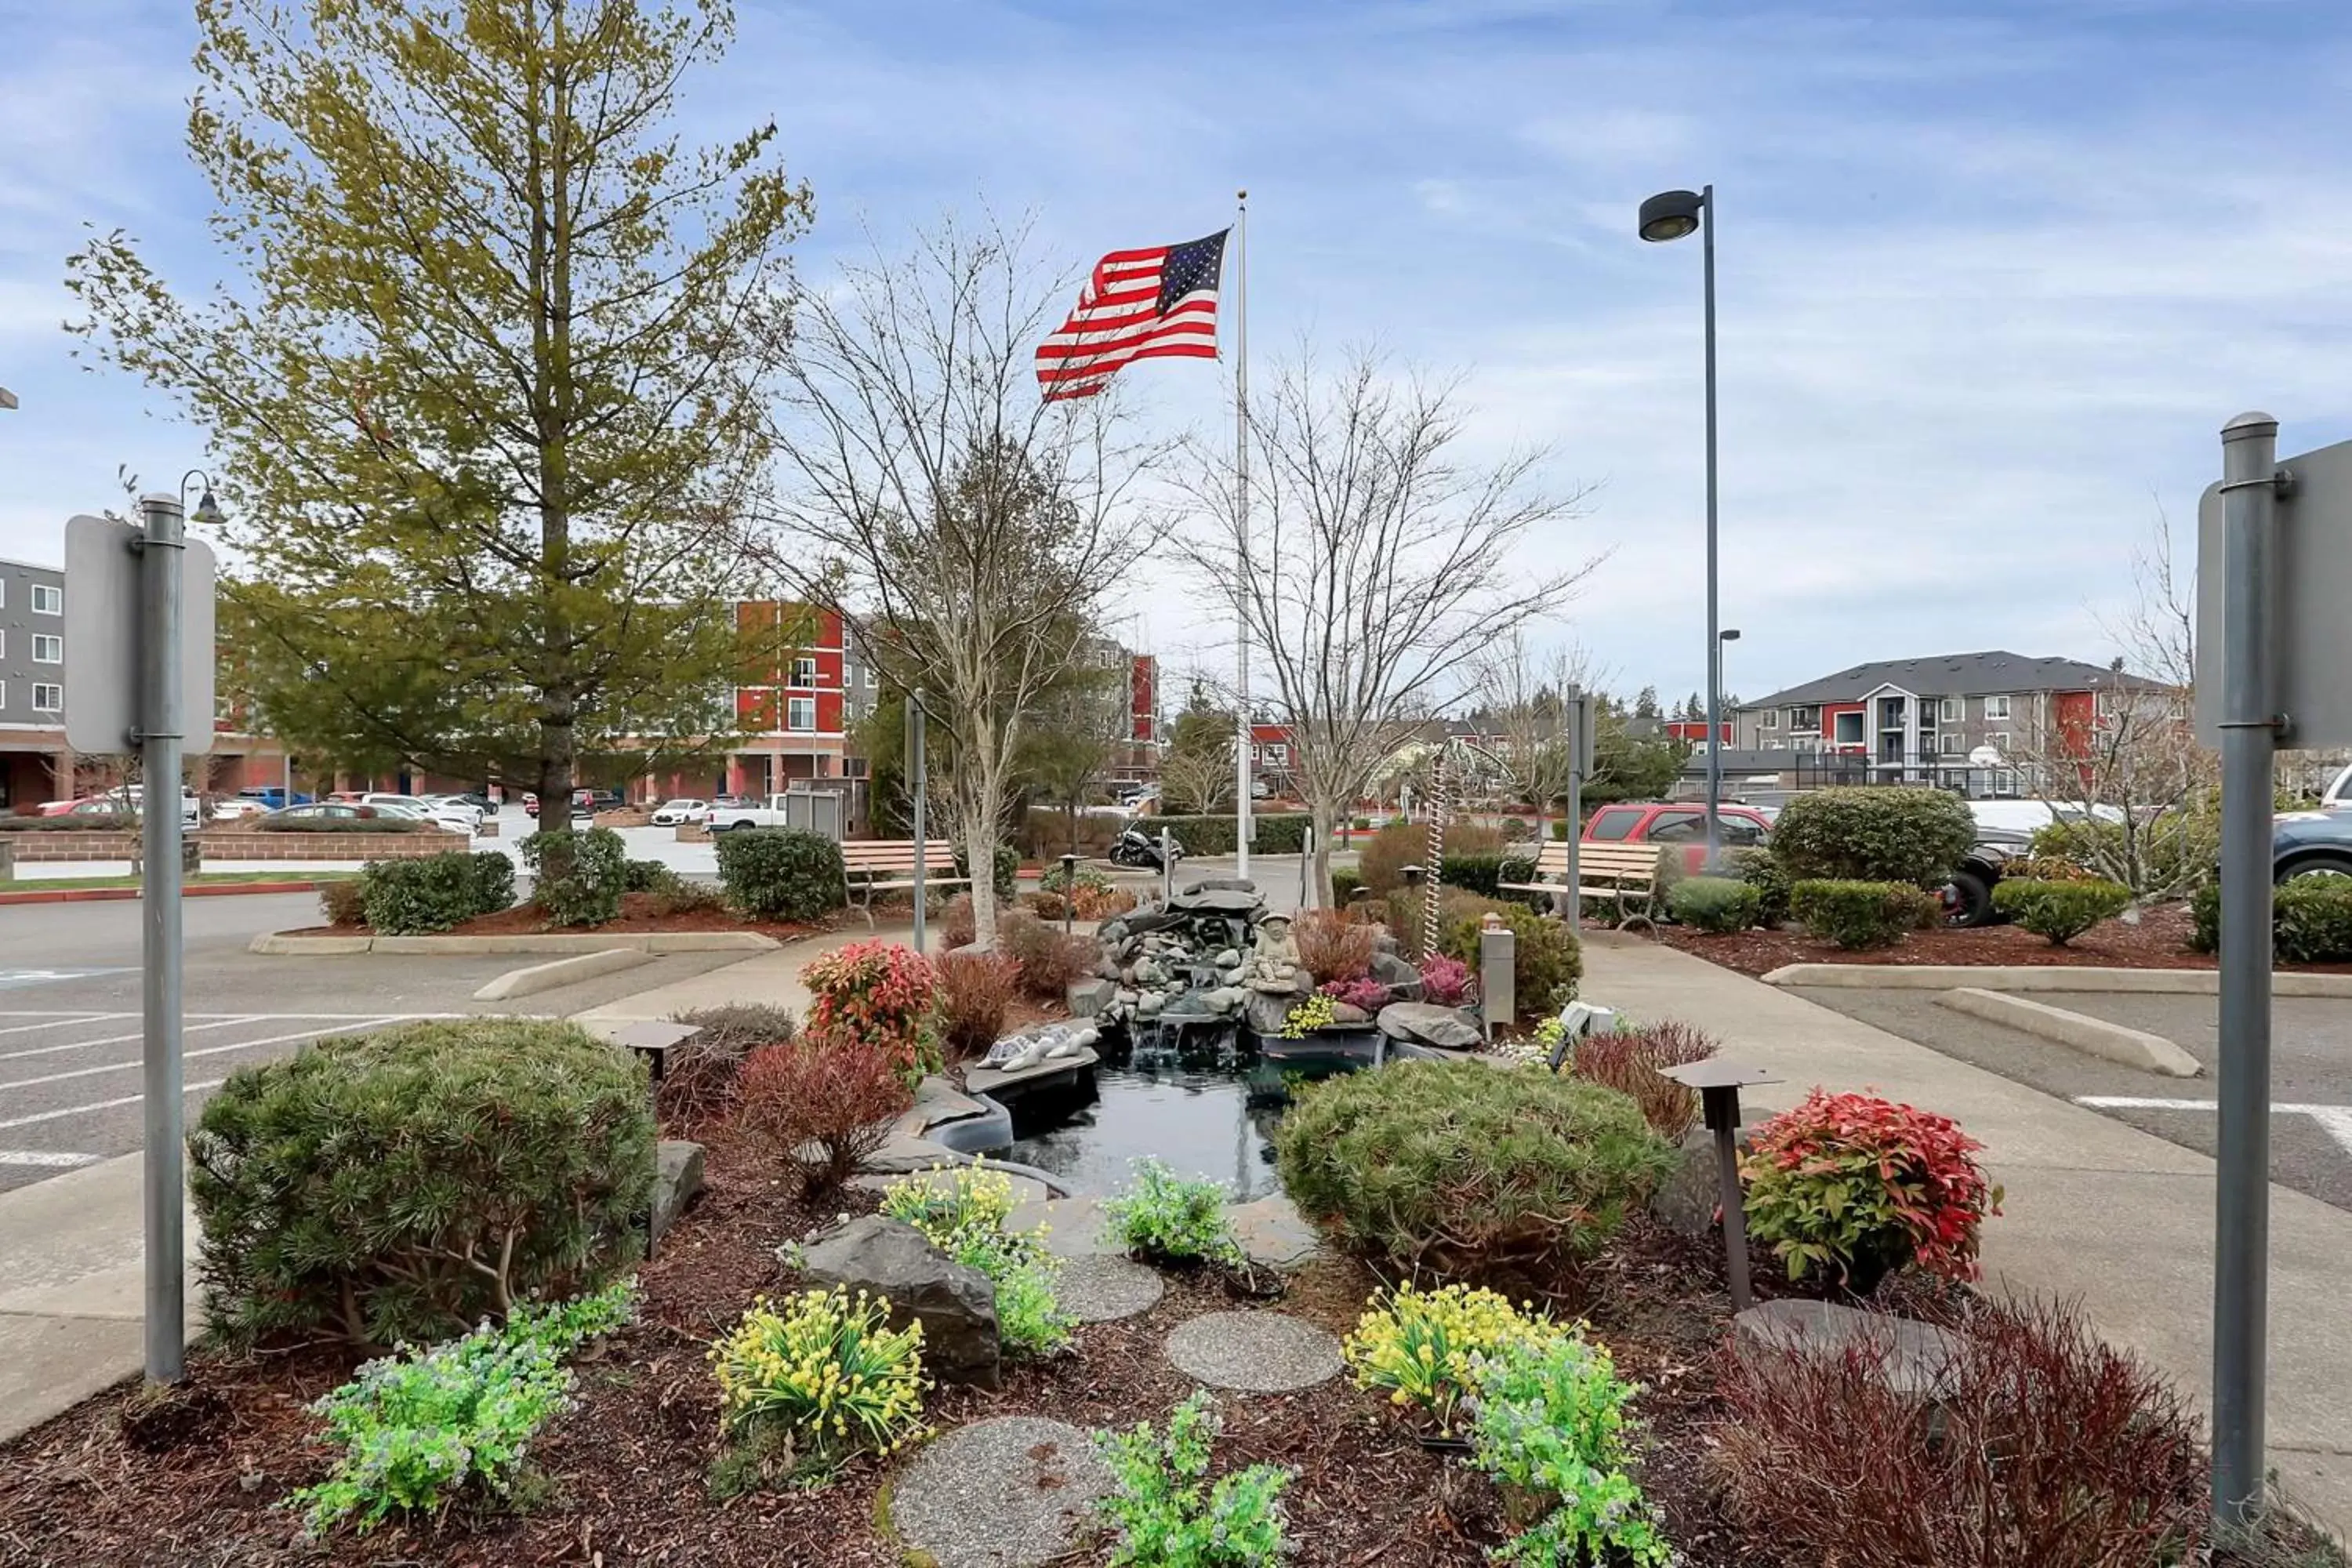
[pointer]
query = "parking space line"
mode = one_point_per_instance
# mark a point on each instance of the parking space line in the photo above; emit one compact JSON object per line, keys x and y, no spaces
{"x":119,"y":1040}
{"x":64,"y":1020}
{"x":60,"y":1114}
{"x":2335,"y":1120}
{"x":189,"y":1055}
{"x":46,"y":1158}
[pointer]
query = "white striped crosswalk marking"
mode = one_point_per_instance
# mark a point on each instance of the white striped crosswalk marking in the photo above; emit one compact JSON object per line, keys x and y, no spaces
{"x":46,"y":1158}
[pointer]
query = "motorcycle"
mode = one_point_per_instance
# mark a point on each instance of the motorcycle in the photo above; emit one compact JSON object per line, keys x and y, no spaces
{"x":1134,"y":846}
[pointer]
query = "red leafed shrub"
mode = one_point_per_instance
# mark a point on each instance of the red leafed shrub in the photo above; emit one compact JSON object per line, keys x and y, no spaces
{"x":1049,"y":961}
{"x":1860,"y":1185}
{"x":1332,"y":947}
{"x":881,"y":993}
{"x":1092,"y":903}
{"x":1368,"y":993}
{"x":2042,"y":1444}
{"x":1629,"y":1060}
{"x":1444,"y":980}
{"x":820,"y":1104}
{"x":957,"y":928}
{"x":976,"y":991}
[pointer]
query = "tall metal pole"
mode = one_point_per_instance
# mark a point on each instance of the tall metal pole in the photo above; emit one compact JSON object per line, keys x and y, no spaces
{"x":1713,"y":643}
{"x":2249,"y":724}
{"x":1576,"y":742}
{"x":160,"y":719}
{"x":921,"y":771}
{"x":1242,"y":826}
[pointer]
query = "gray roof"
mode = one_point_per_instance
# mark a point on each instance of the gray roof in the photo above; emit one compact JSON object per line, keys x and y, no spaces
{"x":1953,"y":675}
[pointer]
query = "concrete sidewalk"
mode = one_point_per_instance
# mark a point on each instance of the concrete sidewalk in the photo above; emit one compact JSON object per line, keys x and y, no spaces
{"x":770,"y":978}
{"x":72,"y":1290}
{"x":2095,"y":1210}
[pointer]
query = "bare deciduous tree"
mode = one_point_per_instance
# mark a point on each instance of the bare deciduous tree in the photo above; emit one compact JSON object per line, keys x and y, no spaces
{"x":1372,"y":562}
{"x":1523,"y":696}
{"x":967,"y":532}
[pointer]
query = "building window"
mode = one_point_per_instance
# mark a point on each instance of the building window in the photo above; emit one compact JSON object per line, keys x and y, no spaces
{"x":2004,"y":780}
{"x":1999,"y":741}
{"x":48,"y":599}
{"x":853,"y":767}
{"x":1950,"y":742}
{"x":48,"y":699}
{"x":1278,"y":755}
{"x":1770,"y":720}
{"x":804,"y":672}
{"x":799,"y":713}
{"x":1805,"y":720}
{"x":49,"y":649}
{"x":1996,"y":707}
{"x":1849,"y":728}
{"x":1772,"y":746}
{"x":1948,"y":712}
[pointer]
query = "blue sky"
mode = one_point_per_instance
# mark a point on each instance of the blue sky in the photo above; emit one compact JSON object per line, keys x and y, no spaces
{"x":1991,"y":275}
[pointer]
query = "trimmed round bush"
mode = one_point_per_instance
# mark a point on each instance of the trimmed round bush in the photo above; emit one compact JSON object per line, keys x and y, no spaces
{"x":2311,"y":920}
{"x":1761,"y":871}
{"x":782,"y":873}
{"x":1860,"y":915}
{"x":1546,"y":962}
{"x":646,"y":876}
{"x":414,"y":898}
{"x":407,"y":1184}
{"x":2059,"y":911}
{"x":1719,"y":905}
{"x":1458,"y":1168}
{"x":581,"y":875}
{"x":1874,"y":834}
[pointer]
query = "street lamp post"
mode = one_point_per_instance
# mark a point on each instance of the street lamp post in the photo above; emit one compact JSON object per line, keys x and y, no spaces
{"x":1671,"y":215}
{"x":1722,"y":662}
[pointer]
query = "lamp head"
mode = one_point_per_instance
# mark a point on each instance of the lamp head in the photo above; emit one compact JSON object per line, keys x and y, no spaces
{"x":208,"y":511}
{"x":1670,"y":215}
{"x":1729,"y":633}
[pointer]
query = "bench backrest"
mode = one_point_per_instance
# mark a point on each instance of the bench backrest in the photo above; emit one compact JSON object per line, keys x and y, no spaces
{"x":1618,"y":860}
{"x":897,"y":855}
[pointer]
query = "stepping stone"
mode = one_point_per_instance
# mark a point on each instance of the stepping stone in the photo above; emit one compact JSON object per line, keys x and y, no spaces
{"x":1097,"y":1289}
{"x":1258,"y":1352}
{"x":1075,"y":1226}
{"x":1273,"y":1233}
{"x":1008,"y":1493}
{"x":1911,"y":1356}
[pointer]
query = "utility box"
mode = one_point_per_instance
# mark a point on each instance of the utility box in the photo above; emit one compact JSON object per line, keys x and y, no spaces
{"x":1498,"y":948}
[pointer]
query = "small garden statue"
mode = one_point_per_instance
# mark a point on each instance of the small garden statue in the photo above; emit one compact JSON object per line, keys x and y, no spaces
{"x":1274,"y":965}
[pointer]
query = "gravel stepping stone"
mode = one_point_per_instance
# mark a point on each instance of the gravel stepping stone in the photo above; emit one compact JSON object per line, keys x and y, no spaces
{"x":1258,"y":1352}
{"x":1007,"y":1493}
{"x":1097,"y":1289}
{"x":1075,"y":1226}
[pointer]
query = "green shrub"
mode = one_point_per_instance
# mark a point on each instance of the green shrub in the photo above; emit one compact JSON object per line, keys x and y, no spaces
{"x":1008,"y":867}
{"x":782,"y":873}
{"x":1554,"y":1425}
{"x":1345,"y":880}
{"x":410,"y":898}
{"x":1859,"y":915}
{"x":683,"y":896}
{"x":2311,"y":920}
{"x":646,"y":876}
{"x":326,"y":825}
{"x":1717,"y":904}
{"x":406,"y":1184}
{"x":1164,"y":1218}
{"x":1384,"y":856}
{"x":416,"y":1428}
{"x":1277,"y":833}
{"x":1456,"y":1167}
{"x":1761,"y":871}
{"x":581,"y":875}
{"x":1874,"y":834}
{"x":1165,"y":1514}
{"x":74,"y":822}
{"x":2059,"y":911}
{"x":344,"y":903}
{"x":1546,"y":962}
{"x":1476,"y":871}
{"x":2205,"y":915}
{"x":494,"y":881}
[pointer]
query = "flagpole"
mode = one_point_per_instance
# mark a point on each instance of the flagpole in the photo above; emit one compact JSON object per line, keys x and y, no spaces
{"x":1241,"y":726}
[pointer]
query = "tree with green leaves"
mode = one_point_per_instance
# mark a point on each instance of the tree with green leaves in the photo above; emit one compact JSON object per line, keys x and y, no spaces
{"x":490,"y":393}
{"x":1646,"y":703}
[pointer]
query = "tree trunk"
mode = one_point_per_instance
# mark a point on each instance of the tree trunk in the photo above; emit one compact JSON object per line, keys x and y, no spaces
{"x":1320,"y":822}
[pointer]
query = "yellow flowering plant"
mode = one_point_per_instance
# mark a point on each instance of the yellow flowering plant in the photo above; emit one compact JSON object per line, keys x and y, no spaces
{"x":1424,"y":1347}
{"x":824,"y":1373}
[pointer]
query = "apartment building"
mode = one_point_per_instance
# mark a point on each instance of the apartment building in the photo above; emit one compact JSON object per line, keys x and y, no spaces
{"x":35,"y":764}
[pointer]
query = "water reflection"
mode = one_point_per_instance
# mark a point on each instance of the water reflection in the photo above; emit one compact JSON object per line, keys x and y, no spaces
{"x":1195,"y":1099}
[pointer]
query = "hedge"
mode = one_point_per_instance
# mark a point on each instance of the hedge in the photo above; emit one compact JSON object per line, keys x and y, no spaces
{"x":579,"y":876}
{"x":781,"y":873}
{"x":414,"y":898}
{"x":408,"y":1184}
{"x":1874,"y":834}
{"x":2311,"y":920}
{"x":1547,"y":961}
{"x":1858,"y":915}
{"x":1761,"y":871}
{"x":1720,"y":905}
{"x":1283,"y":833}
{"x":2059,"y":911}
{"x":86,"y":822}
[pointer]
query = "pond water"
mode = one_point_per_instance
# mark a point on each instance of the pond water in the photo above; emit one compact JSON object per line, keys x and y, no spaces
{"x":1196,"y":1100}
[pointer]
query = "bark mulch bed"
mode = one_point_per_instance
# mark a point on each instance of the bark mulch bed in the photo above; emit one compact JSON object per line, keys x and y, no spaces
{"x":2158,"y":941}
{"x":638,"y":917}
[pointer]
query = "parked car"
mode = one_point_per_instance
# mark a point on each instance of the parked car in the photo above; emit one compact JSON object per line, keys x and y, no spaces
{"x":272,"y":797}
{"x":2005,"y":830}
{"x":318,"y":810}
{"x":679,"y":812}
{"x":236,"y":807}
{"x":2311,"y":843}
{"x":128,"y":801}
{"x":1680,"y":823}
{"x":596,"y":800}
{"x":448,"y":818}
{"x":582,"y":804}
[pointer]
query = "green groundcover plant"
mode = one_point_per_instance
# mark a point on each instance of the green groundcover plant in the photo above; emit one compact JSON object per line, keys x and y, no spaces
{"x":1164,"y":1218}
{"x":417,"y":1428}
{"x":963,"y":1213}
{"x":1165,"y":1514}
{"x":1553,"y":1430}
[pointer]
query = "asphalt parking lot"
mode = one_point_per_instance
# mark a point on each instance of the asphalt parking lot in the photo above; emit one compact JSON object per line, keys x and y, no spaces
{"x":2311,"y":1071}
{"x":69,"y":1012}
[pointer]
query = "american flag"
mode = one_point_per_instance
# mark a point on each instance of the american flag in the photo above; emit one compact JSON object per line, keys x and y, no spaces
{"x":1159,"y":302}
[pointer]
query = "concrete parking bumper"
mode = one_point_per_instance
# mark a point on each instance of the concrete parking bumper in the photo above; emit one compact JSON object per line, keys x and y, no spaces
{"x":303,"y":944}
{"x":533,"y":978}
{"x":2014,"y":977}
{"x":2079,"y":1031}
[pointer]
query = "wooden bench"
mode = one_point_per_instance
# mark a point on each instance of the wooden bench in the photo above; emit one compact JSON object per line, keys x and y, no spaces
{"x":887,"y":865}
{"x":1625,"y":873}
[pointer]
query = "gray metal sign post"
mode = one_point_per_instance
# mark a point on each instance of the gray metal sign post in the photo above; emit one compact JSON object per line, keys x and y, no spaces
{"x":1580,"y":709}
{"x":921,"y":770}
{"x":139,"y":616}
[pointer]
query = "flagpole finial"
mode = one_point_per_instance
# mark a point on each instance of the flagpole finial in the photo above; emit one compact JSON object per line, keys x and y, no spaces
{"x":1241,"y":196}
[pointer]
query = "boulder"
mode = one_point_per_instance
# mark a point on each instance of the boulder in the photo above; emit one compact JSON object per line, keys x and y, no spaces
{"x":888,"y":1258}
{"x":1912,"y":1357}
{"x":1685,"y":1201}
{"x":1241,"y":901}
{"x":1423,"y":1023}
{"x":1090,"y":998}
{"x":1222,"y":884}
{"x":1398,"y":975}
{"x":1145,"y":921}
{"x":1150,"y":1006}
{"x":1149,"y":972}
{"x":1230,"y":958}
{"x":1346,"y":1014}
{"x":1226,"y":998}
{"x":678,"y":1177}
{"x":1265,"y":1014}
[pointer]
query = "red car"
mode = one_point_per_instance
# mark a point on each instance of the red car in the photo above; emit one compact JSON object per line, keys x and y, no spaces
{"x":1656,"y":822}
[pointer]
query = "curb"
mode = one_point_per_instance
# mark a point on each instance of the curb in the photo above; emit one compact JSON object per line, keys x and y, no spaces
{"x":2041,"y":977}
{"x":533,"y":978}
{"x":2093,"y":1037}
{"x":287,"y":944}
{"x":114,"y":894}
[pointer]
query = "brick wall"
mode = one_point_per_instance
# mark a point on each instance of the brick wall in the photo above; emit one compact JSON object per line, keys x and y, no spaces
{"x":230,"y":844}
